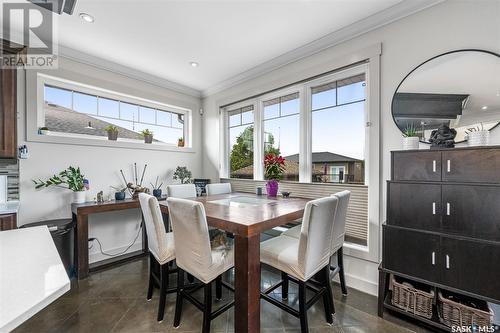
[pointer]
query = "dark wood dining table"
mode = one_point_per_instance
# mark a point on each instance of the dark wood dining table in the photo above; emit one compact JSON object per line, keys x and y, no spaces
{"x":247,"y":220}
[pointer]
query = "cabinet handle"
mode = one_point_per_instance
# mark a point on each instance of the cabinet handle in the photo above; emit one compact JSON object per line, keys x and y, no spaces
{"x":433,"y":258}
{"x":448,"y":208}
{"x":433,"y":208}
{"x":448,"y":166}
{"x":447,"y":262}
{"x":434,"y":166}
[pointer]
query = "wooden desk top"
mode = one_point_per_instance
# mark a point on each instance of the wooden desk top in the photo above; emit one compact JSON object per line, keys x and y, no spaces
{"x":247,"y":219}
{"x":92,"y":207}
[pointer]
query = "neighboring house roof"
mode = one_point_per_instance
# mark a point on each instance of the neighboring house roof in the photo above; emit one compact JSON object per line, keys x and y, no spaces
{"x":61,"y":119}
{"x":324,"y":157}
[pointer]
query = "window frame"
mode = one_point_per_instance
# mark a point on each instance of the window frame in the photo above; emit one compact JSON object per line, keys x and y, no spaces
{"x":81,"y":139}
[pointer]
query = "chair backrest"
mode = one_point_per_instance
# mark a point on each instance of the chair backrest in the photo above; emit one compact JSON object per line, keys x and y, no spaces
{"x":220,"y":188}
{"x":316,"y":235}
{"x":192,"y":241}
{"x":155,"y":228}
{"x":183,"y":191}
{"x":340,"y":219}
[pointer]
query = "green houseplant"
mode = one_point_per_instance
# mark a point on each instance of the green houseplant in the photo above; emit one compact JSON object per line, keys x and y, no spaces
{"x":148,"y":135}
{"x":112,"y":131}
{"x":71,"y":178}
{"x":410,"y":137}
{"x":183,"y":174}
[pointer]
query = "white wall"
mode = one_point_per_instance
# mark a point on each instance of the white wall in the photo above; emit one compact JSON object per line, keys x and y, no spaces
{"x":405,"y":44}
{"x":100,"y":165}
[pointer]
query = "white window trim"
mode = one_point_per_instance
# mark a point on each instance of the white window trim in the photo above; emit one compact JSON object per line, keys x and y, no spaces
{"x":86,"y":140}
{"x":372,"y":251}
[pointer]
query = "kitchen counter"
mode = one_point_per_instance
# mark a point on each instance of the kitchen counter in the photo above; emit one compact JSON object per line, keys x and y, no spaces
{"x":32,"y":275}
{"x":10,"y":207}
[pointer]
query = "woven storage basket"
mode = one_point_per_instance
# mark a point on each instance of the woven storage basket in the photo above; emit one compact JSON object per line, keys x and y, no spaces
{"x":411,"y":299}
{"x":453,"y":313}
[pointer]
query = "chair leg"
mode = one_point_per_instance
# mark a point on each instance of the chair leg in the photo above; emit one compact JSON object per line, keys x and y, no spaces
{"x":303,"y":308}
{"x":163,"y":291}
{"x":327,"y":295}
{"x":178,"y":302}
{"x":151,"y":279}
{"x":284,"y":286}
{"x":340,"y":262}
{"x":207,"y":313}
{"x":218,"y":288}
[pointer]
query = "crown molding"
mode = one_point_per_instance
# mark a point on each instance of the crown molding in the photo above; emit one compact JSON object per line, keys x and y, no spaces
{"x":385,"y":17}
{"x":84,"y":58}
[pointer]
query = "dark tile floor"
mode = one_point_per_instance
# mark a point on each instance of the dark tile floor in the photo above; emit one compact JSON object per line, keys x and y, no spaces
{"x":114,"y":300}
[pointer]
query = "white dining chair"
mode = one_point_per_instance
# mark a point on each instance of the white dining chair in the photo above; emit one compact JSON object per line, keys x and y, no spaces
{"x":339,"y":225}
{"x":161,"y":249}
{"x":183,"y":191}
{"x":301,"y":259}
{"x":195,"y":256}
{"x":218,"y":188}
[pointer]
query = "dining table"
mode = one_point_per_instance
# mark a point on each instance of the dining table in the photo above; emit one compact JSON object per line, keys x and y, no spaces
{"x":246,"y":216}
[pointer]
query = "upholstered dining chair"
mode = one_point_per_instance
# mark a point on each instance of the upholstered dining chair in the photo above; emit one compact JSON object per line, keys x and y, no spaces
{"x":339,"y":224}
{"x":183,"y":191}
{"x":218,"y":188}
{"x":161,"y":249}
{"x":305,"y":260}
{"x":195,"y":256}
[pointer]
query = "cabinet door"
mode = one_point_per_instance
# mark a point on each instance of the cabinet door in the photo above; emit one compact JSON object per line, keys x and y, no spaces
{"x":8,"y":114}
{"x":471,"y":266}
{"x":8,"y":222}
{"x":411,"y":252}
{"x":422,"y":165}
{"x":414,"y":205}
{"x":472,"y":210}
{"x":472,"y":165}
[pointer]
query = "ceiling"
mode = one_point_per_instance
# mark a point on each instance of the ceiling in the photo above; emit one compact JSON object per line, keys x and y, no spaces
{"x":227,"y":38}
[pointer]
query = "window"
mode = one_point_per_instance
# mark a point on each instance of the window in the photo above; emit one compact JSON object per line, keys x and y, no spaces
{"x":78,"y":113}
{"x":338,"y":131}
{"x":281,"y":131}
{"x":241,"y":142}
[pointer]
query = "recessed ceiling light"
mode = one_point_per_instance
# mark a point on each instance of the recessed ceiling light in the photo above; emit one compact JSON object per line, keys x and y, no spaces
{"x":194,"y":64}
{"x":87,"y":17}
{"x":484,"y":107}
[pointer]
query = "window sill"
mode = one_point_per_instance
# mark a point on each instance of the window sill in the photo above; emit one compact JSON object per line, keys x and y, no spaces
{"x":103,"y":142}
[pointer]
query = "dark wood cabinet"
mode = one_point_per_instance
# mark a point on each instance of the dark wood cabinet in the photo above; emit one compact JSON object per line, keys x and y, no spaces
{"x":8,"y":114}
{"x":416,"y":165}
{"x":8,"y":222}
{"x":472,"y":165}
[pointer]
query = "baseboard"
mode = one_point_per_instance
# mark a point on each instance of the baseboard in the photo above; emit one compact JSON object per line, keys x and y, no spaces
{"x":358,"y":283}
{"x":98,"y":256}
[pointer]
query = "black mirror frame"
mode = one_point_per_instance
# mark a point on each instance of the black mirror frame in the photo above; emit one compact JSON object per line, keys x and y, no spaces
{"x":428,"y":60}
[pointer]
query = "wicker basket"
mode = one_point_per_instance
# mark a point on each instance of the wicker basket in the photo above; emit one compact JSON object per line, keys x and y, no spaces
{"x":411,"y":299}
{"x":453,"y":313}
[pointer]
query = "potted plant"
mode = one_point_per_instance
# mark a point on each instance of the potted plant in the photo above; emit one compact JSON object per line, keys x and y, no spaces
{"x":274,"y":166}
{"x":112,"y":131}
{"x":183,"y":174}
{"x":156,"y":188}
{"x":43,"y":130}
{"x":180,"y":142}
{"x":410,"y":137}
{"x":148,"y":135}
{"x":120,"y":193}
{"x":70,"y":178}
{"x":478,"y":136}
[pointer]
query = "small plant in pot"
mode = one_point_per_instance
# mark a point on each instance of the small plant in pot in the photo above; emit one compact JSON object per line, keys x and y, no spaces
{"x":112,"y":131}
{"x":71,"y":178}
{"x":274,"y":166}
{"x":156,"y":188}
{"x":180,"y":142}
{"x":43,"y":130}
{"x":120,"y":193}
{"x":410,"y":137}
{"x":478,"y":136}
{"x":148,"y":135}
{"x":183,"y":174}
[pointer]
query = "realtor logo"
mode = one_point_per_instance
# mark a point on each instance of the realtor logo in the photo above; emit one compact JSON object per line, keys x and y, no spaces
{"x":32,"y":27}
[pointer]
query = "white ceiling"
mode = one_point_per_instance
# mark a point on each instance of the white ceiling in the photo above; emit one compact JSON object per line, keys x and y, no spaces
{"x":227,"y":38}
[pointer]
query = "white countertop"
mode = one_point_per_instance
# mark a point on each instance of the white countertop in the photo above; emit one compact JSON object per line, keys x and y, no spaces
{"x":9,"y":207}
{"x":32,"y":274}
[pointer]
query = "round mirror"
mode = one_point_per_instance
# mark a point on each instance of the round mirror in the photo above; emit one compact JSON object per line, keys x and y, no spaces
{"x":459,"y":89}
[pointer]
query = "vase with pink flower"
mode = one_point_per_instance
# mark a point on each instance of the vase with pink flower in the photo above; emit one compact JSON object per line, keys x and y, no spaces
{"x":274,"y":166}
